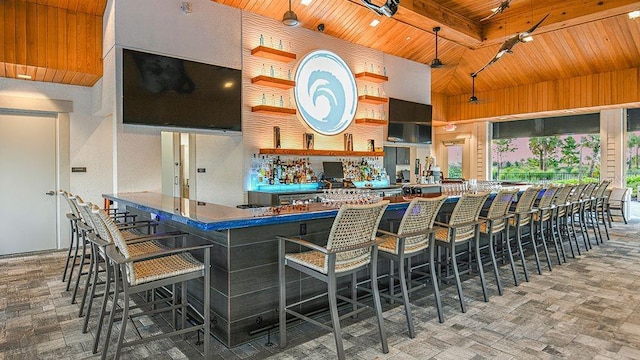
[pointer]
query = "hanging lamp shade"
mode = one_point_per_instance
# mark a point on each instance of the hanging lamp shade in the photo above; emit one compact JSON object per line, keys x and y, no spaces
{"x":290,"y":18}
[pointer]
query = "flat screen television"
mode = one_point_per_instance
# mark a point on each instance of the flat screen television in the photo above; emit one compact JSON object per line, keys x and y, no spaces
{"x":409,"y":122}
{"x":165,"y":91}
{"x":332,"y":170}
{"x":409,"y":133}
{"x":402,"y":111}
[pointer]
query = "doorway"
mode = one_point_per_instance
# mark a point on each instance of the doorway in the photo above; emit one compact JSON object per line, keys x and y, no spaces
{"x":28,"y":182}
{"x":178,"y":157}
{"x":454,"y":161}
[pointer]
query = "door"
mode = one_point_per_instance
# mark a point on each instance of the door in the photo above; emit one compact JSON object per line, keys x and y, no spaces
{"x":27,"y":183}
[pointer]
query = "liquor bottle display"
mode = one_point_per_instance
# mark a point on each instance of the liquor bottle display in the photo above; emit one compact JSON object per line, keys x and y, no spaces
{"x":269,"y":170}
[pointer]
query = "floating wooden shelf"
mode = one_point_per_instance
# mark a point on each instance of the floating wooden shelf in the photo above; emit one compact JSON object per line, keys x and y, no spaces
{"x":302,"y":152}
{"x":369,"y":121}
{"x":276,"y":110}
{"x":370,"y":99}
{"x":373,"y":77}
{"x":273,"y":82}
{"x":273,"y":54}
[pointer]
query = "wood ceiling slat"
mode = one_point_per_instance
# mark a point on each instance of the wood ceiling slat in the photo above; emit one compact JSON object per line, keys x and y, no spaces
{"x":41,"y":15}
{"x":10,"y":33}
{"x":21,"y":32}
{"x":3,"y":25}
{"x":62,"y":47}
{"x":72,"y":43}
{"x":53,"y":39}
{"x":31,"y":34}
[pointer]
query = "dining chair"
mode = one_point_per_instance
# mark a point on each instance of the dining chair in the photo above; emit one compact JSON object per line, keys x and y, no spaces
{"x":351,"y":246}
{"x":414,"y":237}
{"x":462,"y":228}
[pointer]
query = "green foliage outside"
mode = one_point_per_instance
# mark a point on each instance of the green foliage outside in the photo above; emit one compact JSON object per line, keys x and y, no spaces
{"x":562,"y":160}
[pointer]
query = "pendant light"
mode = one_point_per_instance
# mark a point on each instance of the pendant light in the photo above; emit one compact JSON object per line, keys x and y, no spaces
{"x":436,"y":63}
{"x":290,"y":18}
{"x":473,"y":99}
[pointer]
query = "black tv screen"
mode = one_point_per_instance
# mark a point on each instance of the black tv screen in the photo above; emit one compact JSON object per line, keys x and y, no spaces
{"x":332,"y":170}
{"x":409,"y":133}
{"x":402,"y":111}
{"x":165,"y":91}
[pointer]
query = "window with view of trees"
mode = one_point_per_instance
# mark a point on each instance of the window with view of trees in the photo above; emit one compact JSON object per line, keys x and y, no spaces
{"x":633,"y":149}
{"x":562,"y":149}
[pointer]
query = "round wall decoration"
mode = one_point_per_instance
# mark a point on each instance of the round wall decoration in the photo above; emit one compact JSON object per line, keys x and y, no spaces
{"x":326,"y":94}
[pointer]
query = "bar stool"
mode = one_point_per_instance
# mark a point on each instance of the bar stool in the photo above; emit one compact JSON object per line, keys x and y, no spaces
{"x":414,"y":237}
{"x":573,"y":214}
{"x":521,"y":219}
{"x":135,"y":272}
{"x":73,"y":217}
{"x":495,"y":224}
{"x":559,"y":218}
{"x":351,"y":246}
{"x":462,"y":228}
{"x":593,"y":211}
{"x":600,"y":207}
{"x":541,"y":217}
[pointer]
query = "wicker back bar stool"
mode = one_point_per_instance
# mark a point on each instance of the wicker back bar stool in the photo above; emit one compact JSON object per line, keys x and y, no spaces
{"x":542,"y":217}
{"x":100,"y":238}
{"x":351,"y":246}
{"x":462,"y":228}
{"x":559,"y":219}
{"x":138,"y":272}
{"x":495,"y":224}
{"x":73,"y":217}
{"x":521,"y":219}
{"x":583,"y":214}
{"x":414,"y":237}
{"x":599,"y":206}
{"x":573,"y":214}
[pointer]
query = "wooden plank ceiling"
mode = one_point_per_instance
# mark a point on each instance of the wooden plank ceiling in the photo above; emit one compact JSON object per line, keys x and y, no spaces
{"x":52,"y":40}
{"x":61,"y":40}
{"x":580,"y":37}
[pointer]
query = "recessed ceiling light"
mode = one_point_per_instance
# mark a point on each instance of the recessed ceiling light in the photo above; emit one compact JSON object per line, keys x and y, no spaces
{"x":634,"y":14}
{"x":374,"y":22}
{"x":306,"y":2}
{"x":24,"y":76}
{"x":408,"y":37}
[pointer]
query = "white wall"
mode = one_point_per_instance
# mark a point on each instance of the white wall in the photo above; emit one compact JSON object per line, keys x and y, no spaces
{"x":89,"y":139}
{"x":210,"y":34}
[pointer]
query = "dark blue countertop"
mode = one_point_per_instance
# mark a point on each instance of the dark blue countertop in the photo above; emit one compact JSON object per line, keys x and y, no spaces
{"x":213,"y":217}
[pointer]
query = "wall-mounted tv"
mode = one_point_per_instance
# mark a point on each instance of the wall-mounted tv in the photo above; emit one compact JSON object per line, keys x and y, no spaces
{"x":409,"y":112}
{"x":409,"y":122}
{"x":165,"y":91}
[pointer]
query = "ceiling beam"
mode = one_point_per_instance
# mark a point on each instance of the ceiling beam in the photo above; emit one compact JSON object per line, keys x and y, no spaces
{"x":563,"y":14}
{"x":425,"y":14}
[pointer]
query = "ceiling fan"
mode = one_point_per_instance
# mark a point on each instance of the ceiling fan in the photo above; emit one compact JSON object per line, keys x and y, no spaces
{"x":388,"y":9}
{"x":436,"y":63}
{"x":508,"y":45}
{"x":473,"y":99}
{"x":499,"y":10}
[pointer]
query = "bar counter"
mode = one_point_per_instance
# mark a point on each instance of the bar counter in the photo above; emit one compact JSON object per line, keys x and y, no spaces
{"x":244,"y":273}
